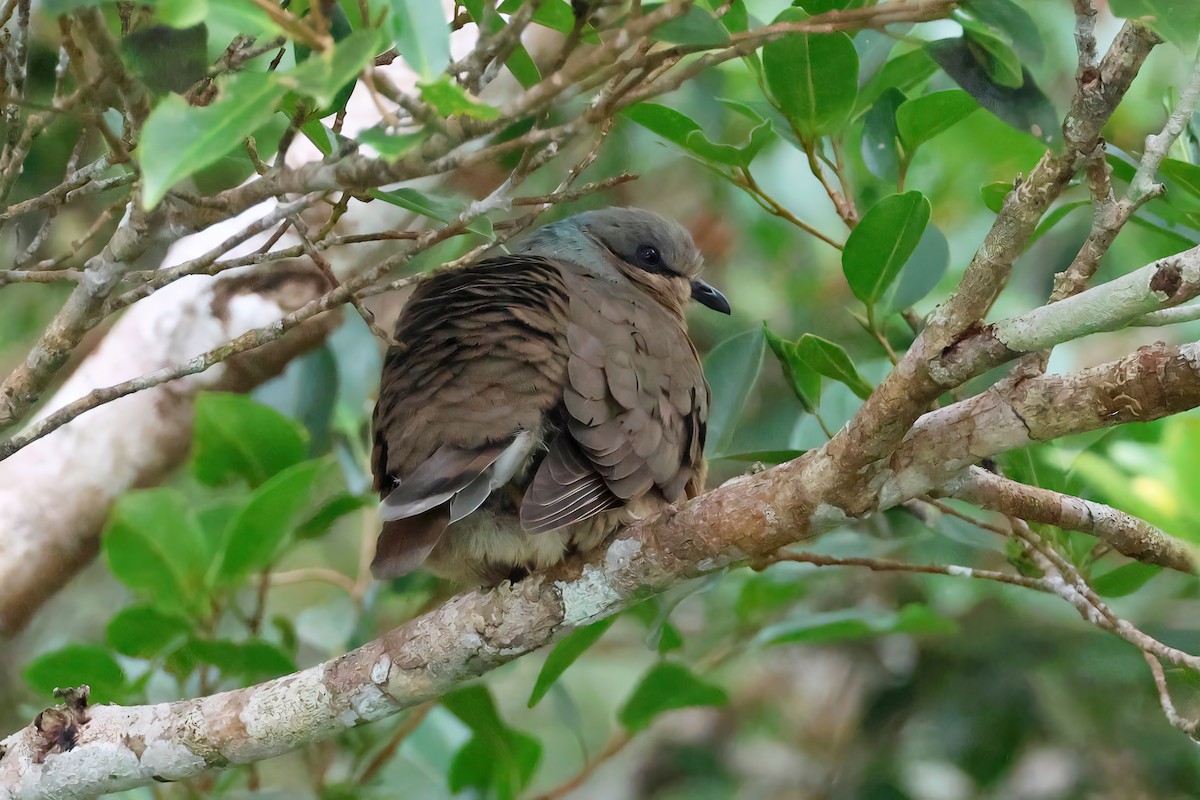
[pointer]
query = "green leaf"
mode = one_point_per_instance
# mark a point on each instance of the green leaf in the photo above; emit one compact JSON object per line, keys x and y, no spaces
{"x":325,"y":75}
{"x":993,"y":195}
{"x":1027,"y":109}
{"x":697,"y":26}
{"x":255,"y":660}
{"x":154,"y":546}
{"x":665,"y":687}
{"x":804,"y":382}
{"x":923,"y":270}
{"x":902,"y":73}
{"x":682,"y":130}
{"x":767,"y":592}
{"x":319,"y":523}
{"x":732,"y":368}
{"x":995,"y":54}
{"x":1014,"y":22}
{"x":274,"y":509}
{"x":1124,"y":580}
{"x":146,"y":631}
{"x":1177,"y":21}
{"x":564,"y":654}
{"x":813,"y":77}
{"x":880,"y":139}
{"x":882,"y":242}
{"x":167,"y":59}
{"x":393,"y":146}
{"x":448,"y":99}
{"x":553,"y":14}
{"x":443,"y":209}
{"x":181,"y":13}
{"x":236,"y":437}
{"x":422,"y":36}
{"x":497,"y":758}
{"x":850,"y":624}
{"x":178,"y":140}
{"x":922,"y":118}
{"x":75,"y":665}
{"x":1183,"y":183}
{"x":243,"y":17}
{"x":1054,"y":217}
{"x":830,"y":360}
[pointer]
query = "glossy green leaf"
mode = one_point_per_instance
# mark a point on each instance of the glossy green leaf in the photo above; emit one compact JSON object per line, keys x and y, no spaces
{"x":1057,"y":215}
{"x":255,"y":660}
{"x":832,"y":361}
{"x":1027,"y":109}
{"x":273,"y":510}
{"x":1014,"y":22}
{"x":422,"y":36}
{"x":698,"y":27}
{"x":995,"y":53}
{"x":882,"y":242}
{"x":246,"y":18}
{"x":443,"y":209}
{"x":167,"y":59}
{"x":667,"y":686}
{"x":449,"y":99}
{"x":146,"y":631}
{"x":993,"y":195}
{"x":923,"y":270}
{"x":813,"y":77}
{"x":881,"y":137}
{"x":324,"y":76}
{"x":1177,"y":21}
{"x":851,"y":624}
{"x":682,"y":130}
{"x":554,"y":14}
{"x":564,"y":654}
{"x":320,"y":521}
{"x":393,"y":146}
{"x":154,"y":545}
{"x":73,"y":666}
{"x":236,"y":437}
{"x":767,"y":592}
{"x":904,"y":72}
{"x":497,"y":760}
{"x":732,"y":368}
{"x":181,"y":13}
{"x":179,"y":140}
{"x":1124,"y":580}
{"x":1182,"y":180}
{"x":920,"y":119}
{"x":805,"y":383}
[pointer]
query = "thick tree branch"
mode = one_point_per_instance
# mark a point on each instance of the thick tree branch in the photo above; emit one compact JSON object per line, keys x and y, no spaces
{"x":746,"y":519}
{"x":1126,"y":533}
{"x":54,"y":495}
{"x":911,"y":387}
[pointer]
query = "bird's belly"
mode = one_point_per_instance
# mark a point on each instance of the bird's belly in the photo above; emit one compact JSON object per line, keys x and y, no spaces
{"x":488,"y":547}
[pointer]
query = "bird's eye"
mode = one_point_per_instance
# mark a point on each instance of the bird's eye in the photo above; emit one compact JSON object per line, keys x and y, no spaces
{"x":649,"y":257}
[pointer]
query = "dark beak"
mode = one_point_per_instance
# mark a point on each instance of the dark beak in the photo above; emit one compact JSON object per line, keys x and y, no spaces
{"x":706,"y":295}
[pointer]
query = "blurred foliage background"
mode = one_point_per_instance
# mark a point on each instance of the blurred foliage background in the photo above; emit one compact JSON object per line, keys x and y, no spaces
{"x":801,"y":682}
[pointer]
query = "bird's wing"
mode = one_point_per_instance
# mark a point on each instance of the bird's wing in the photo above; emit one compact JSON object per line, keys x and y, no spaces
{"x":463,"y":398}
{"x":636,"y":403}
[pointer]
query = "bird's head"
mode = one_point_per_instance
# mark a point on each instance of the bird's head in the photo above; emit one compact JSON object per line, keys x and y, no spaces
{"x":655,"y":253}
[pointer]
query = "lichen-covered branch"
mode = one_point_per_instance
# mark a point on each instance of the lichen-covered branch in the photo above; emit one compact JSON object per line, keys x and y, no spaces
{"x":744,"y":520}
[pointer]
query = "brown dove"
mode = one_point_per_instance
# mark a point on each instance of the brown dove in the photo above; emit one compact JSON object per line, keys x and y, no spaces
{"x":539,"y":401}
